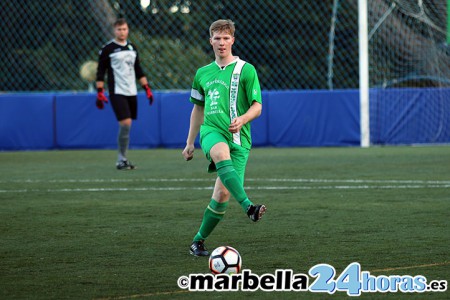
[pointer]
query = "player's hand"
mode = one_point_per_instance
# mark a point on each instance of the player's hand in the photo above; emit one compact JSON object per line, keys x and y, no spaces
{"x":101,"y":98}
{"x":236,"y":125}
{"x":188,"y":152}
{"x":149,"y":93}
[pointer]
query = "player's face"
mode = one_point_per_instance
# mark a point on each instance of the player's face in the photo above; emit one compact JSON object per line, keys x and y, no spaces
{"x":121,"y":32}
{"x":222,"y":43}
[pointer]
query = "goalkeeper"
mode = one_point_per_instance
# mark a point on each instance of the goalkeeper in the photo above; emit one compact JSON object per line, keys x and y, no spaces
{"x":120,"y":58}
{"x":227,"y":96}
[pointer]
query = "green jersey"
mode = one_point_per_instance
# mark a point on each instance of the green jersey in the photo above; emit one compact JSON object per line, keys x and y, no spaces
{"x":226,"y":93}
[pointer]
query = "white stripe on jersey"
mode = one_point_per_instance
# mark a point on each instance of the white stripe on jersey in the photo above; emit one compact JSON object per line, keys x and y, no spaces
{"x":234,"y":89}
{"x":197,"y":96}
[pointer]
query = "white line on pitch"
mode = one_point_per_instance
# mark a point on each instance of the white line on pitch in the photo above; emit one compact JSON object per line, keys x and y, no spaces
{"x":304,"y":180}
{"x":341,"y":187}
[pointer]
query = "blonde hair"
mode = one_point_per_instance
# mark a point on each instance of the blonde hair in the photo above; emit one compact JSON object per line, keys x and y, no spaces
{"x":222,"y":26}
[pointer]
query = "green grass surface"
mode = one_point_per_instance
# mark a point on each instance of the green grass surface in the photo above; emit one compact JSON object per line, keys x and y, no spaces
{"x":73,"y":227}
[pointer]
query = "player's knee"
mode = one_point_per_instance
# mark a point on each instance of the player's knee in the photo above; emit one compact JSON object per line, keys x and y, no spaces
{"x":220,"y":152}
{"x":221,"y":194}
{"x":125,"y":122}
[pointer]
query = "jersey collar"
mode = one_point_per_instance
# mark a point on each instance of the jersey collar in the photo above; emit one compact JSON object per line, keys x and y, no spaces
{"x":232,"y":62}
{"x":121,"y":44}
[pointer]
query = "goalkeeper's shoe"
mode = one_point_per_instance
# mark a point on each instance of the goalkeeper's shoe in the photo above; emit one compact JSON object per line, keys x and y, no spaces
{"x":198,"y":249}
{"x":255,"y":212}
{"x":125,"y":165}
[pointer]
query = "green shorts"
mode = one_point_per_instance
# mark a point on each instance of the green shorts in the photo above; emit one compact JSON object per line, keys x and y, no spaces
{"x":239,"y":155}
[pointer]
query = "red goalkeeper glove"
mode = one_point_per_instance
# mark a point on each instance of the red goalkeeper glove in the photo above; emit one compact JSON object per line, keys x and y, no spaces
{"x":101,"y":98}
{"x":149,"y":93}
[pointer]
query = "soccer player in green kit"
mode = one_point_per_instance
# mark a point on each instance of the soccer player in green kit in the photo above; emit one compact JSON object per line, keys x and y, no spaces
{"x":227,"y":96}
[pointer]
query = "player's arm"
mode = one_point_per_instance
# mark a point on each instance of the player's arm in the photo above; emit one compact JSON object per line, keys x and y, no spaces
{"x":142,"y":79}
{"x":103,"y":62}
{"x":197,"y":115}
{"x":148,"y":91}
{"x":139,"y":72}
{"x":100,"y":84}
{"x":252,"y":113}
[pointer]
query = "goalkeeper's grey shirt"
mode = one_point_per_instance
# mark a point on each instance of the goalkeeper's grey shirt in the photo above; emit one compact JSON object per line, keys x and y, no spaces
{"x":122,"y":63}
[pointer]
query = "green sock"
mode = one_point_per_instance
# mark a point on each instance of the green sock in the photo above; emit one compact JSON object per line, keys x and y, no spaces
{"x":232,"y":182}
{"x":212,"y":216}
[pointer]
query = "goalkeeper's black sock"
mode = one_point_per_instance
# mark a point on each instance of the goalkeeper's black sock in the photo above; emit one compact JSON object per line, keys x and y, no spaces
{"x":232,"y":182}
{"x":123,"y":141}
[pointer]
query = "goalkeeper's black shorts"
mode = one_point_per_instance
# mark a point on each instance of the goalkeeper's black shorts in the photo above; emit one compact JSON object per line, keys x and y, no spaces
{"x":124,"y":107}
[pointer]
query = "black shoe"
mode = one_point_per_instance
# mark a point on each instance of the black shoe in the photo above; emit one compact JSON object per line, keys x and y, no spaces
{"x":198,"y":249}
{"x":125,"y":165}
{"x":255,"y":212}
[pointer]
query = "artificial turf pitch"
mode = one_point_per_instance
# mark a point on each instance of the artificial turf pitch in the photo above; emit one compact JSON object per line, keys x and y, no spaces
{"x":74,"y":227}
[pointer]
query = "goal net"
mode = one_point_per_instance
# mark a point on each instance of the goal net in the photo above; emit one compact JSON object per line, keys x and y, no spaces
{"x":409,"y":71}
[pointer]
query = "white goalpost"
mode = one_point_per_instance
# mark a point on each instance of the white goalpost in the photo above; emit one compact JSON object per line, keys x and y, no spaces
{"x":363,"y":73}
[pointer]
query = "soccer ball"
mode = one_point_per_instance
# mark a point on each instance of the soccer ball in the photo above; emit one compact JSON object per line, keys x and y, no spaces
{"x":225,"y":260}
{"x":88,"y":70}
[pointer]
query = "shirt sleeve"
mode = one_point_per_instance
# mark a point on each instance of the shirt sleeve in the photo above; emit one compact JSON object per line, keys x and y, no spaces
{"x":103,"y":63}
{"x":197,"y":92}
{"x":137,"y":66}
{"x":252,"y":86}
